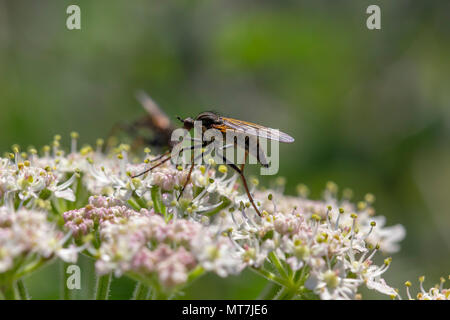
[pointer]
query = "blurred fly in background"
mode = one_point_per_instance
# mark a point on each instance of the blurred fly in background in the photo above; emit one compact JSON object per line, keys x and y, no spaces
{"x":152,"y":129}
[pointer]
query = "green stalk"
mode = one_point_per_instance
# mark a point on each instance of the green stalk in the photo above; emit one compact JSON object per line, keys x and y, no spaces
{"x":23,"y":292}
{"x":140,"y":201}
{"x":270,"y":276}
{"x":225,"y":203}
{"x":276,"y":262}
{"x":141,"y":292}
{"x":30,"y":268}
{"x":269,"y":292}
{"x":64,"y":293}
{"x":159,"y":295}
{"x":132,"y":202}
{"x":9,"y":292}
{"x":301,"y":276}
{"x":195,"y":274}
{"x":103,"y":286}
{"x":286,"y":293}
{"x":157,"y":202}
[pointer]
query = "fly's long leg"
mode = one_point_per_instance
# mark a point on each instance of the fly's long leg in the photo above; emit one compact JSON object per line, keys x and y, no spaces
{"x":161,"y":156}
{"x":187,"y":180}
{"x":244,"y":182}
{"x":206,"y":143}
{"x":245,"y":161}
{"x":153,"y":167}
{"x":157,"y":165}
{"x":169,"y":157}
{"x":163,"y":161}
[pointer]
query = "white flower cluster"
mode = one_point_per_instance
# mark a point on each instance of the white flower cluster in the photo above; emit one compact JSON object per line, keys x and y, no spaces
{"x":438,"y":292}
{"x":333,"y":242}
{"x":27,"y":239}
{"x":139,"y":227}
{"x":26,"y":182}
{"x":144,"y":244}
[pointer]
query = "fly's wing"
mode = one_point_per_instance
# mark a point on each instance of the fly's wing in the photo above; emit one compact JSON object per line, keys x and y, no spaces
{"x":251,"y":147}
{"x":255,"y":150}
{"x":253,"y":129}
{"x":157,"y":117}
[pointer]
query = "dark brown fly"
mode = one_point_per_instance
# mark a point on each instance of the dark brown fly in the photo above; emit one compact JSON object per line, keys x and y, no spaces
{"x":211,"y":120}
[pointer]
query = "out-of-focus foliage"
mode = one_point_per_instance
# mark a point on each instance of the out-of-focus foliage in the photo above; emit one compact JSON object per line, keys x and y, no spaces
{"x":369,"y":109}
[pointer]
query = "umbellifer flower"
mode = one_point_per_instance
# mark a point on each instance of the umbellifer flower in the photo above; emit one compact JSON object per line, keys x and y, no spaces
{"x":27,"y":238}
{"x":140,"y":227}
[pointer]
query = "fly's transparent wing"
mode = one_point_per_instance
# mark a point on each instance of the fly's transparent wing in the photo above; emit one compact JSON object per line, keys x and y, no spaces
{"x":253,"y":129}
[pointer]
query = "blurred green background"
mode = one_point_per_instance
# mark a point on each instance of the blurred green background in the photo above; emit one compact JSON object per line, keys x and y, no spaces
{"x":369,"y":109}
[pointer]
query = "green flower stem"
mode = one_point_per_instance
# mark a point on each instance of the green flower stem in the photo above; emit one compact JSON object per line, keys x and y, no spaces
{"x":270,"y":276}
{"x":23,"y":292}
{"x":30,"y":268}
{"x":81,"y":194}
{"x":159,"y":295}
{"x":269,"y":292}
{"x":286,"y":293}
{"x":195,"y":274}
{"x":9,"y":292}
{"x":140,"y":201}
{"x":157,"y":202}
{"x":225,"y":203}
{"x":132,"y":202}
{"x":276,"y":262}
{"x":103,"y":286}
{"x":141,"y":292}
{"x":156,"y":292}
{"x":286,"y":287}
{"x":65,"y":293}
{"x":290,"y":272}
{"x":306,"y":294}
{"x":197,"y":191}
{"x":300,"y":277}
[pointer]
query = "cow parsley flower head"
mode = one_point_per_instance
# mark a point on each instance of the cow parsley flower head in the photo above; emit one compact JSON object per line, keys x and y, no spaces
{"x":144,"y":244}
{"x":27,"y":239}
{"x":143,"y":227}
{"x":438,"y":292}
{"x":327,"y":238}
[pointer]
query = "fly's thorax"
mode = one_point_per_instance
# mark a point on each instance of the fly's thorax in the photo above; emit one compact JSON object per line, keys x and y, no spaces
{"x":208,"y":119}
